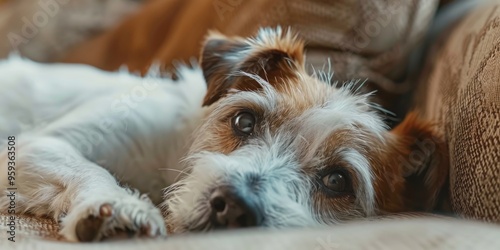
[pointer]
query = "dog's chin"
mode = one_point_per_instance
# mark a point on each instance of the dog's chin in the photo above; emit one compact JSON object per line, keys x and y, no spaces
{"x":202,"y":226}
{"x":198,"y":223}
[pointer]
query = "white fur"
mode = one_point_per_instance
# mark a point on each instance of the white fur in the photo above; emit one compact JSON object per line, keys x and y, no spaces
{"x":75,"y":124}
{"x":266,"y":172}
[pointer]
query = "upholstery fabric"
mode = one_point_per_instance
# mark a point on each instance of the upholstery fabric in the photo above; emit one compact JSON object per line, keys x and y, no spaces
{"x":29,"y":227}
{"x":461,"y":91}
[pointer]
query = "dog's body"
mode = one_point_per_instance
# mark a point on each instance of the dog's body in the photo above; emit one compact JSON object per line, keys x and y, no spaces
{"x":136,"y":128}
{"x":272,"y":147}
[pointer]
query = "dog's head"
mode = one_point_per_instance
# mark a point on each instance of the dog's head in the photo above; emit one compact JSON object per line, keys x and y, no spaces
{"x":279,"y":147}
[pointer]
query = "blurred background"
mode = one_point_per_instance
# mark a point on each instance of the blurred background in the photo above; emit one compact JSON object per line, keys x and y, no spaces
{"x":370,"y":41}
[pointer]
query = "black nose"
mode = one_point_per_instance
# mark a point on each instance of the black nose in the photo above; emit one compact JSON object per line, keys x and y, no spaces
{"x":231,"y":211}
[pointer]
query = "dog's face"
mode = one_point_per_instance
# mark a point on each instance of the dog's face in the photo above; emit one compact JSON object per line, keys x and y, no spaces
{"x":281,"y":148}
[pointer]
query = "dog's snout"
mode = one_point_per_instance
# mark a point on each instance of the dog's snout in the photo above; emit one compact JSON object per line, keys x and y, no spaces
{"x":232,"y":211}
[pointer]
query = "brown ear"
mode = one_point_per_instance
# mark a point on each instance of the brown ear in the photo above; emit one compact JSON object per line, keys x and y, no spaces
{"x":272,"y":54}
{"x":420,"y":155}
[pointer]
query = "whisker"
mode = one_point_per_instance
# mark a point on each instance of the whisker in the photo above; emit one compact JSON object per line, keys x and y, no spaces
{"x":361,"y":85}
{"x":181,"y":172}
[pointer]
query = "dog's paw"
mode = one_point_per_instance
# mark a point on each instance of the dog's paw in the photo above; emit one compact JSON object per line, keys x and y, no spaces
{"x":110,"y":218}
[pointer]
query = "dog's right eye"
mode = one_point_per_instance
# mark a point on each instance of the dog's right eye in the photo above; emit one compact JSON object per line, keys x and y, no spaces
{"x":244,"y":123}
{"x":335,"y":181}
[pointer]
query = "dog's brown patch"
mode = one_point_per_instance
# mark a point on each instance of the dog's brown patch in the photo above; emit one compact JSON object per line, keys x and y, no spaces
{"x":274,"y":59}
{"x":413,"y":171}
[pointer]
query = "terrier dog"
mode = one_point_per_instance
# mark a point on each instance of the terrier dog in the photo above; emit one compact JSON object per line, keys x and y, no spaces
{"x":257,"y":140}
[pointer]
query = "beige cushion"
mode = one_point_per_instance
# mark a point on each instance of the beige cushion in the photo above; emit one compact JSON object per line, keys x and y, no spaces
{"x":461,"y":91}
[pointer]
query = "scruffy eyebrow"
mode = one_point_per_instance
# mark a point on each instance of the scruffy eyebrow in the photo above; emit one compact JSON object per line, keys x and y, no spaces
{"x":365,"y":193}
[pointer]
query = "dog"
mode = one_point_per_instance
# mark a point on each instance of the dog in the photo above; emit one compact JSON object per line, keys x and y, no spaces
{"x":245,"y":138}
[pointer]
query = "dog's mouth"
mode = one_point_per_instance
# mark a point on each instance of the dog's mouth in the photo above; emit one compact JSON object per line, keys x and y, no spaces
{"x":196,"y":224}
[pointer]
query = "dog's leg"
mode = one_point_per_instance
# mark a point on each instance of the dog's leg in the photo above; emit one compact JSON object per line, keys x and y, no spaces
{"x":53,"y":178}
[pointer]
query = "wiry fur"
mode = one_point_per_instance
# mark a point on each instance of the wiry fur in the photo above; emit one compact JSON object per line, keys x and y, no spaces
{"x":95,"y":135}
{"x":305,"y":127}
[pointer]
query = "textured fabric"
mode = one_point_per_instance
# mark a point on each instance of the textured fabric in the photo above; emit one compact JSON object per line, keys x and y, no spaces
{"x":461,"y":91}
{"x":412,"y":234}
{"x":29,"y":227}
{"x":372,"y":40}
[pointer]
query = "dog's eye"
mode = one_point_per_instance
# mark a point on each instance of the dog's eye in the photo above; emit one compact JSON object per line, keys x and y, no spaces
{"x":336,"y":181}
{"x":244,"y":123}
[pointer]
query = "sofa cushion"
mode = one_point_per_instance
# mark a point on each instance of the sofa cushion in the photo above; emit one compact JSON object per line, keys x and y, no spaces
{"x":461,"y":91}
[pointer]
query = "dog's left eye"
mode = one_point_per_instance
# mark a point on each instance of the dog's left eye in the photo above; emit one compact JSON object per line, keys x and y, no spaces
{"x":336,"y":181}
{"x":244,"y":123}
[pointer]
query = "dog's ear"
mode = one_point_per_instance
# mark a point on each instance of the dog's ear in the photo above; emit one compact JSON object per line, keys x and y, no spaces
{"x":273,"y":55}
{"x":416,"y":167}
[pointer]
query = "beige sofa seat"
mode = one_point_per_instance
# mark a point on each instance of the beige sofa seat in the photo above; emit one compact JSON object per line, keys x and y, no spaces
{"x":397,"y":234}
